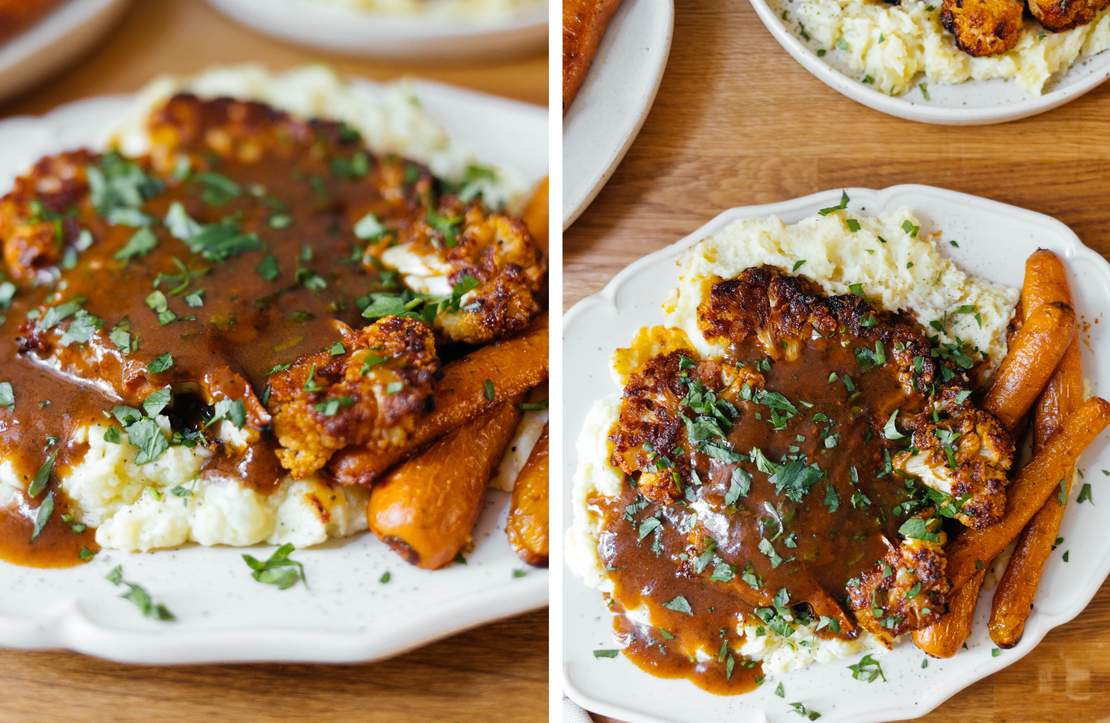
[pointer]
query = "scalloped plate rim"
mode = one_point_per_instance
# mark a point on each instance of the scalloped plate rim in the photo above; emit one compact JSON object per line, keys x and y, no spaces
{"x":1039,"y":623}
{"x":65,"y":624}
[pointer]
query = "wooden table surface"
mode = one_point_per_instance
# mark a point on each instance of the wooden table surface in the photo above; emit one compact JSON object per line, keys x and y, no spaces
{"x":498,"y":670}
{"x":738,"y":122}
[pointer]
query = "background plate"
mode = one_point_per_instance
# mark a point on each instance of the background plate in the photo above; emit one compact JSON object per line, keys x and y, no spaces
{"x":994,"y":241}
{"x":976,"y":102}
{"x":400,"y":37}
{"x":54,"y":41}
{"x":344,"y":614}
{"x":614,"y":100}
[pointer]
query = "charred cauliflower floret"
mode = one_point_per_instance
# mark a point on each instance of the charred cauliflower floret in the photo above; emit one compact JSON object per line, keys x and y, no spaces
{"x":652,"y":435}
{"x":983,"y":27}
{"x":781,"y":312}
{"x":488,"y":261}
{"x":962,"y":452}
{"x":186,"y":126}
{"x":370,"y":394}
{"x":34,"y":224}
{"x":1061,"y":15}
{"x":907,"y":589}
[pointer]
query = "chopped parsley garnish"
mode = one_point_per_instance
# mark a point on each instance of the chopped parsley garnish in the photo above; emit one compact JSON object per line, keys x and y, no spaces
{"x":42,"y":516}
{"x":679,"y":604}
{"x":839,"y":207}
{"x":1085,"y":494}
{"x":331,"y":406}
{"x":139,"y":597}
{"x":867,"y":669}
{"x":801,"y":710}
{"x":160,"y":363}
{"x":157,"y":401}
{"x":794,"y":478}
{"x":916,"y":528}
{"x":278,"y":570}
{"x":606,"y":653}
{"x":890,"y":429}
{"x":217,"y":189}
{"x":42,"y":476}
{"x":446,"y":226}
{"x":140,"y":244}
{"x":118,"y":187}
{"x":268,"y":268}
{"x":222,"y":240}
{"x":232,"y":410}
{"x":147,"y":436}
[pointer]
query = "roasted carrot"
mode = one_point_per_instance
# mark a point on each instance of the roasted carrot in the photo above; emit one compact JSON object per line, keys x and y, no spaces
{"x":1033,"y":356}
{"x":1045,"y":281}
{"x":1013,"y":599}
{"x":470,"y":386}
{"x":1034,"y":484}
{"x":584,"y":25}
{"x":426,"y":508}
{"x":943,"y":638}
{"x":527,"y":526}
{"x":535,"y":215}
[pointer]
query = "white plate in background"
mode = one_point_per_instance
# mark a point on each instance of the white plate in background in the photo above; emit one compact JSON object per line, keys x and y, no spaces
{"x":344,"y":614}
{"x":976,"y":102}
{"x":994,"y":241}
{"x":54,"y":40}
{"x":614,"y":100}
{"x":398,"y":37}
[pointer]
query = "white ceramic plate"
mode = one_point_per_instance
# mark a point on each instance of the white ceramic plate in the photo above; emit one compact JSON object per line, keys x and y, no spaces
{"x":54,"y":41}
{"x":398,"y":37}
{"x":973,"y":103}
{"x":344,"y":614}
{"x":994,"y":241}
{"x":614,"y":100}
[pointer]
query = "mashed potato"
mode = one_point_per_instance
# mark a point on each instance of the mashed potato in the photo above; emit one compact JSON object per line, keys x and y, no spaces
{"x":896,"y":266}
{"x":168,"y":502}
{"x":892,"y":47}
{"x":889,"y":257}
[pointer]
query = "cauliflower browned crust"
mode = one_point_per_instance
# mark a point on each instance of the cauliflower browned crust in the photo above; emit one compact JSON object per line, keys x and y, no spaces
{"x":983,"y":27}
{"x":34,"y":224}
{"x":370,"y":395}
{"x":782,"y":311}
{"x":1061,"y":15}
{"x":490,"y":256}
{"x":963,"y":452}
{"x":905,"y":590}
{"x":650,"y":436}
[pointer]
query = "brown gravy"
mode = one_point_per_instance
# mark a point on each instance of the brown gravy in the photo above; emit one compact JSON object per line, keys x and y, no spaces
{"x":301,"y":207}
{"x":820,"y":543}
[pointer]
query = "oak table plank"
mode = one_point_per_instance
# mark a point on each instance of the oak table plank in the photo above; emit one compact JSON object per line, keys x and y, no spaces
{"x":498,"y":670}
{"x":738,"y":122}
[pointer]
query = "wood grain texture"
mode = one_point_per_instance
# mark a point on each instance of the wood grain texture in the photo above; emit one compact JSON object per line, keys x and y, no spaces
{"x":496,"y":671}
{"x":738,"y":122}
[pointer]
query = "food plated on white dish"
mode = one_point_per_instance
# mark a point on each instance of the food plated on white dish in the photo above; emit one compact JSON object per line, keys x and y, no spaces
{"x":614,"y":55}
{"x":414,"y":30}
{"x":251,"y":309}
{"x":799,"y":436}
{"x":38,"y":37}
{"x":944,"y":62}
